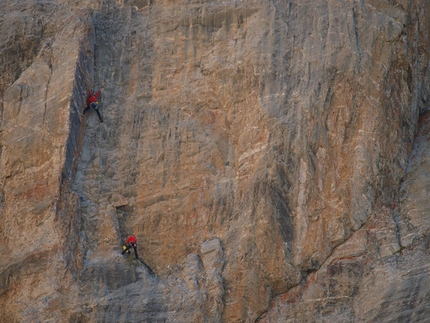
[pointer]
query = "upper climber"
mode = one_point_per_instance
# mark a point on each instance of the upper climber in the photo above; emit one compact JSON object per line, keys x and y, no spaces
{"x":92,"y":103}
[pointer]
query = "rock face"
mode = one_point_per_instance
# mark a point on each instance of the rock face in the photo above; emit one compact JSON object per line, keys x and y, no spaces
{"x":268,"y":155}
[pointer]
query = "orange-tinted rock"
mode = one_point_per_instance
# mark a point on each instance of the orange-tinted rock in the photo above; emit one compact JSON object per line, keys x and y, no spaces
{"x":257,"y":150}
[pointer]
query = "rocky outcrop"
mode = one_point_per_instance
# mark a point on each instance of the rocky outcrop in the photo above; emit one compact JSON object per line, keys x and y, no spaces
{"x":381,"y":273}
{"x":39,"y":142}
{"x":260,"y":151}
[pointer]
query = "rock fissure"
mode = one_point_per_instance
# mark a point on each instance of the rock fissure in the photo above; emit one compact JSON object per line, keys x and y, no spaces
{"x":49,"y":63}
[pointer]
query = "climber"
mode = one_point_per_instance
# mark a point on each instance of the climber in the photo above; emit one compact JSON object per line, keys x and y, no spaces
{"x":131,"y":242}
{"x":92,"y":103}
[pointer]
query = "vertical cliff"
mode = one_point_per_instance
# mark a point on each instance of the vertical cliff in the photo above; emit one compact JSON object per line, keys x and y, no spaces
{"x":268,"y":155}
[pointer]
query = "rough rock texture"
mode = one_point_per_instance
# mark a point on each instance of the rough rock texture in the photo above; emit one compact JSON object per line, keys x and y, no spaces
{"x":268,"y":155}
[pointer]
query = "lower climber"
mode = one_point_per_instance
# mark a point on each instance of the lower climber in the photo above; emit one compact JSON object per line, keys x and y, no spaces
{"x":92,"y":103}
{"x":131,"y":242}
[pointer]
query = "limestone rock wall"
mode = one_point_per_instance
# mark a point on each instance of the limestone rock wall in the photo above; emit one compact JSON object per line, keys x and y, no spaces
{"x":381,"y":273}
{"x":257,"y":149}
{"x":40,"y":127}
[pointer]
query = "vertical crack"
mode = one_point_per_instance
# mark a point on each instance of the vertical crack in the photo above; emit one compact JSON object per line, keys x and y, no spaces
{"x":395,"y":212}
{"x":47,"y":56}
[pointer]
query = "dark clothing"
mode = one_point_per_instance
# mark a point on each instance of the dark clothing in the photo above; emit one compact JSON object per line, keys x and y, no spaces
{"x":129,"y":246}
